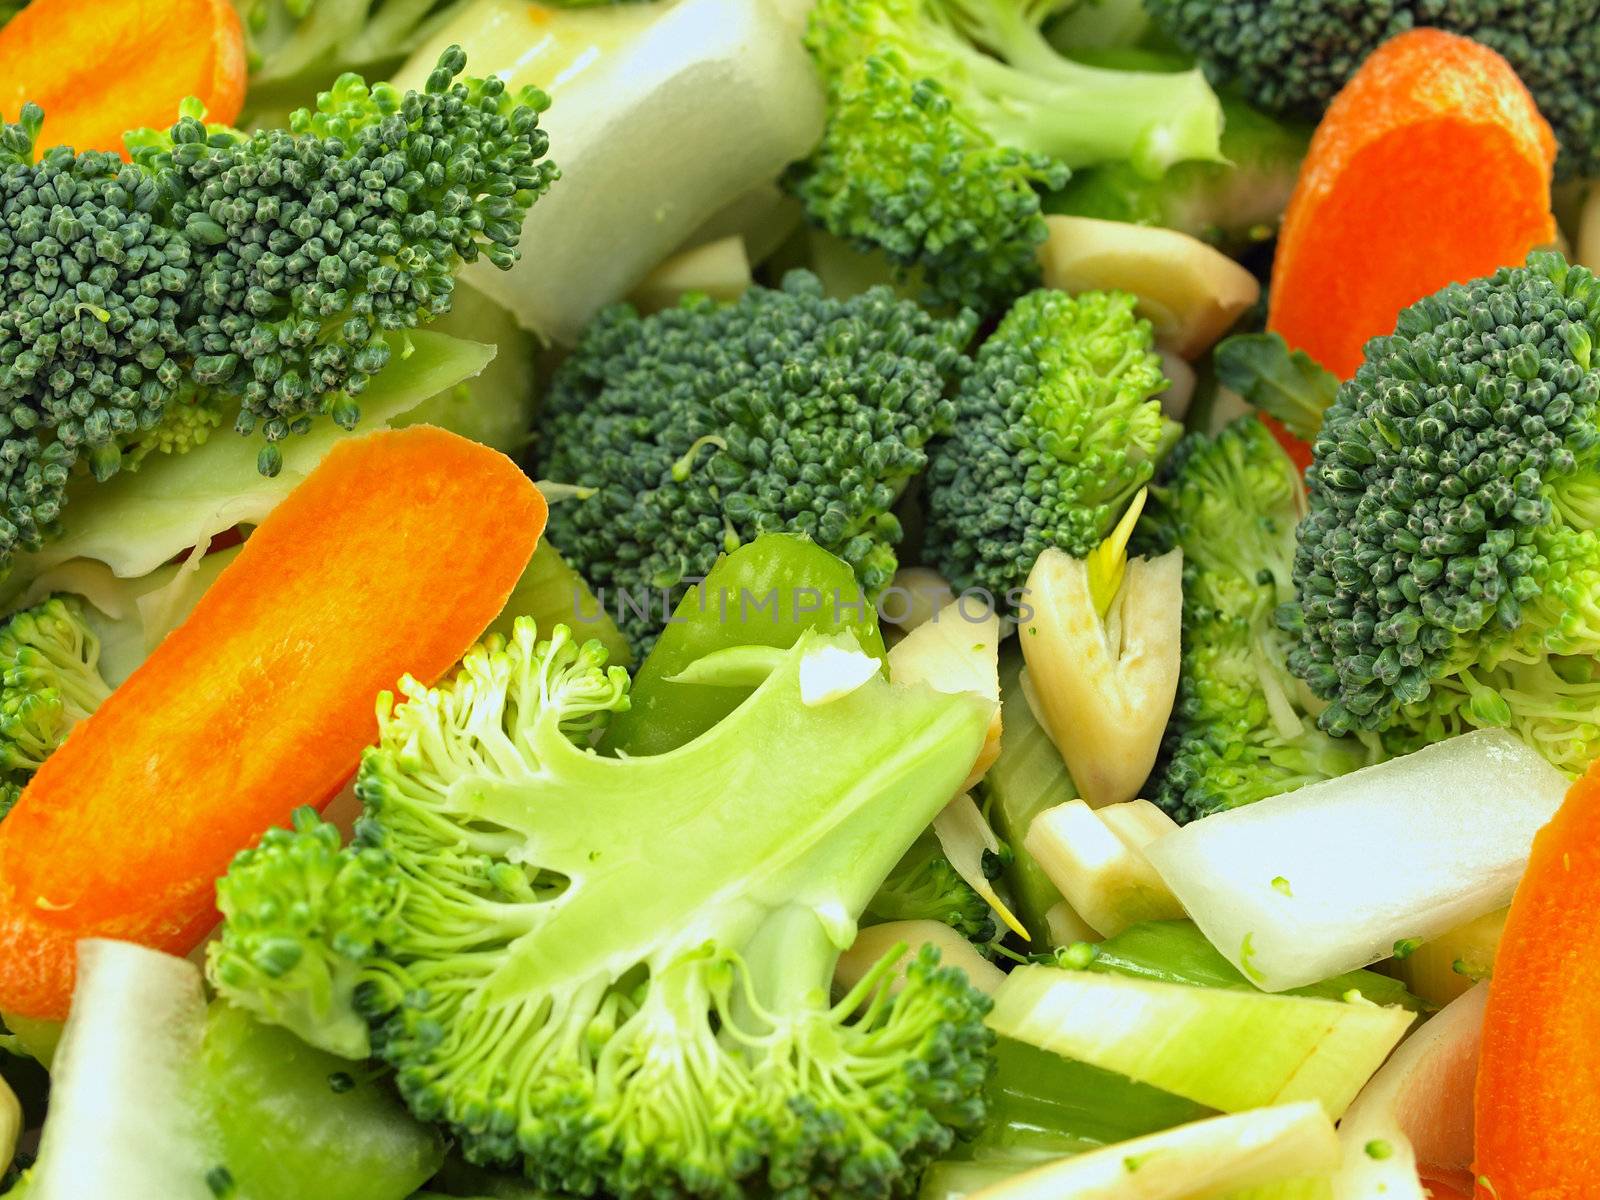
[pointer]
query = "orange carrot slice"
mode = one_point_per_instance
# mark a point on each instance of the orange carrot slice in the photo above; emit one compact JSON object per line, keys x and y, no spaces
{"x":391,"y":557}
{"x":99,"y":68}
{"x":1538,"y":1096}
{"x":1432,"y":166}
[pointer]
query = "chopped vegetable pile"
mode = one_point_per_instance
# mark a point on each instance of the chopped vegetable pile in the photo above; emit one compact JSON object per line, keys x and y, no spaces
{"x":799,"y":600}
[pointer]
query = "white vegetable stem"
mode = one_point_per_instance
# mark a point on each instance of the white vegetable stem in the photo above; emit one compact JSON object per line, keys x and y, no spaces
{"x":660,"y":117}
{"x":1417,"y":1110}
{"x":957,"y":650}
{"x":876,"y":941}
{"x":122,"y":1120}
{"x":1097,"y":861}
{"x":1205,"y":1160}
{"x":964,"y":836}
{"x":1296,"y":888}
{"x":1103,"y":683}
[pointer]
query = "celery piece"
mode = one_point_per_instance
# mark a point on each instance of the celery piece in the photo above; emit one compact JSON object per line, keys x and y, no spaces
{"x":1177,"y":952}
{"x":1230,"y":1050}
{"x":1445,"y":967}
{"x":294,"y":1122}
{"x":1027,"y":778}
{"x":1252,"y":1154}
{"x":1042,"y":1105}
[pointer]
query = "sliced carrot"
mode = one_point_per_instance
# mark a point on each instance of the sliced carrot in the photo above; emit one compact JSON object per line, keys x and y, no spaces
{"x":1432,"y":166}
{"x":99,"y":68}
{"x":1538,"y":1096}
{"x":391,"y":557}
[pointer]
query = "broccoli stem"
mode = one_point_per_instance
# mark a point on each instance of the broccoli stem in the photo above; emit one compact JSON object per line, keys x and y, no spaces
{"x":1083,"y":115}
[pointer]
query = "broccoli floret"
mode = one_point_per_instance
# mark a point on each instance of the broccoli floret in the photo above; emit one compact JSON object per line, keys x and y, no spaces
{"x":297,"y":964}
{"x":1231,"y":204}
{"x":616,"y":972}
{"x":1447,"y":575}
{"x":49,"y":681}
{"x":1292,"y":56}
{"x":1241,"y":729}
{"x":247,"y":278}
{"x":945,"y":116}
{"x":1056,"y":428}
{"x":924,"y":887}
{"x":10,"y":8}
{"x":705,"y":425}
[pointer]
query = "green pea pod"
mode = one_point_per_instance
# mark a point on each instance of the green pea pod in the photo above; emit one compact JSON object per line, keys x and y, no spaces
{"x":766,"y":593}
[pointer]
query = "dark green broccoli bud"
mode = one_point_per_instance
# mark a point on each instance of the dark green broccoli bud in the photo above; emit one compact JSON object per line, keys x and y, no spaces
{"x":301,"y":916}
{"x":1242,"y":728}
{"x":1292,"y":56}
{"x":247,"y":279}
{"x":924,"y":887}
{"x":1447,"y":575}
{"x":91,"y":333}
{"x":1056,"y":428}
{"x":576,"y":987}
{"x":945,"y":116}
{"x":49,"y":681}
{"x":320,"y":239}
{"x":1290,"y":386}
{"x":11,"y":8}
{"x":705,"y":425}
{"x":1231,"y":204}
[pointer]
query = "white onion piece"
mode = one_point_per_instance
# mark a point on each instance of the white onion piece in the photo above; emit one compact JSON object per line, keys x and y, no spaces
{"x":1417,"y":1110}
{"x":1296,"y":888}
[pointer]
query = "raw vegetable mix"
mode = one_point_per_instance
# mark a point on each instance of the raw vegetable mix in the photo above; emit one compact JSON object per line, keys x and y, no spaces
{"x":798,"y":600}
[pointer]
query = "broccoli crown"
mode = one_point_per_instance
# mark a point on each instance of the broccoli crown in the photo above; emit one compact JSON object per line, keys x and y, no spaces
{"x":705,"y":425}
{"x":49,"y":681}
{"x":1448,"y":573}
{"x":924,"y":887}
{"x":545,"y":996}
{"x":1056,"y":428}
{"x":297,"y":964}
{"x":220,"y":272}
{"x":1294,"y":55}
{"x":1240,"y":729}
{"x":944,"y":116}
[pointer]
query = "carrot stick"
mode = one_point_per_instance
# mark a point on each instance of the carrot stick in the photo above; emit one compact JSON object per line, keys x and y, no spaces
{"x":1538,"y":1096}
{"x":99,"y":68}
{"x":391,"y":557}
{"x":1432,"y":166}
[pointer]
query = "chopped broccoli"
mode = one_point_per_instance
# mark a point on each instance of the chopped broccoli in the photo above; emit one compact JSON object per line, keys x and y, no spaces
{"x":49,"y":681}
{"x":542,"y":994}
{"x":1448,"y":574}
{"x":924,"y":887}
{"x":246,"y":277}
{"x":1288,"y":385}
{"x":1230,"y":204}
{"x":704,"y":425}
{"x":1293,"y":55}
{"x":10,"y":8}
{"x":945,"y":116}
{"x":1056,"y":428}
{"x":1241,"y":729}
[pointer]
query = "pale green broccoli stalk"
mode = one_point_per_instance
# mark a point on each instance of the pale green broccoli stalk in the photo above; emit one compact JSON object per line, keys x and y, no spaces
{"x":1293,"y":56}
{"x":1242,"y":727}
{"x":1447,"y":576}
{"x":1288,"y":385}
{"x":49,"y":681}
{"x":705,"y":425}
{"x":1056,"y":428}
{"x":615,"y":973}
{"x":203,"y":285}
{"x":946,"y":117}
{"x":924,"y":887}
{"x":1232,"y":204}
